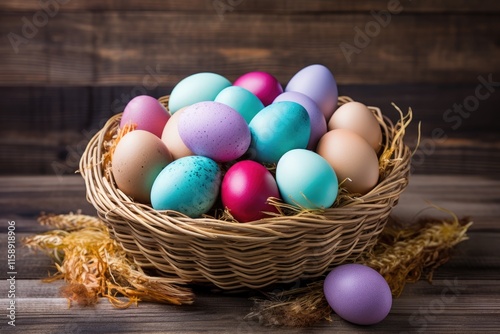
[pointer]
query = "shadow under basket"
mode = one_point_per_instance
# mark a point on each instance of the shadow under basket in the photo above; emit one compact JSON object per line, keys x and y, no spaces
{"x":301,"y":245}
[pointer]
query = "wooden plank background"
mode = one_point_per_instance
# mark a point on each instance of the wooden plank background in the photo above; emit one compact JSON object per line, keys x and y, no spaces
{"x":82,"y":61}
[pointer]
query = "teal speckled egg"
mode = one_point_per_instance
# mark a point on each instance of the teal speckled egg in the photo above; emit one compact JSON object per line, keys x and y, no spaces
{"x":189,"y":185}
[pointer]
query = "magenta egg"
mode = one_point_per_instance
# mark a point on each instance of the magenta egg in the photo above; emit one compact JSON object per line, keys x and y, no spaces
{"x":146,"y":113}
{"x":358,"y":294}
{"x":245,"y":189}
{"x":262,"y":84}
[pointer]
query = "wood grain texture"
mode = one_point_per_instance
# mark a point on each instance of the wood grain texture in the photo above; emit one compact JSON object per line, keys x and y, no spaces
{"x":470,"y":282}
{"x":261,"y":6}
{"x":114,"y":48}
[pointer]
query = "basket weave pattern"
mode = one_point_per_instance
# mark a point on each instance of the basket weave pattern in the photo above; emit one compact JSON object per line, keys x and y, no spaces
{"x":252,"y":255}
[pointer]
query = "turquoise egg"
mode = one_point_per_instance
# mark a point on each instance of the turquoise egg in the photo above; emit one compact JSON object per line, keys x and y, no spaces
{"x":195,"y":88}
{"x":189,"y":185}
{"x":306,"y":179}
{"x":277,"y":129}
{"x":241,"y":100}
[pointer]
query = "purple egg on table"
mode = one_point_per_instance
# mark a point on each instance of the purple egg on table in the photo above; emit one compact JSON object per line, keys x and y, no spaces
{"x":358,"y":294}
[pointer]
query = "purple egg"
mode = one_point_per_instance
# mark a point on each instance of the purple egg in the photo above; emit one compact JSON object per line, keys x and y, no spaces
{"x":358,"y":294}
{"x":214,"y":130}
{"x":318,"y":121}
{"x":317,"y":82}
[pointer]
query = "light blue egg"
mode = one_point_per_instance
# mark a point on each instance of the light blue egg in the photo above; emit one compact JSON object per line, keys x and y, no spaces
{"x":189,"y":185}
{"x":195,"y":88}
{"x":277,"y":129}
{"x":241,"y":100}
{"x":307,"y":179}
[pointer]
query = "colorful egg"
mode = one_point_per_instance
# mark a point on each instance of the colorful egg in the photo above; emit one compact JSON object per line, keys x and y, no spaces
{"x":241,"y":100}
{"x":317,"y":82}
{"x":146,"y":113}
{"x":136,"y":162}
{"x":264,"y":85}
{"x":355,"y":116}
{"x":214,"y":130}
{"x":277,"y":129}
{"x":318,"y":121}
{"x":245,"y":189}
{"x":358,"y":294}
{"x":171,"y":138}
{"x":196,"y":88}
{"x":352,"y":158}
{"x":189,"y":185}
{"x":306,"y":179}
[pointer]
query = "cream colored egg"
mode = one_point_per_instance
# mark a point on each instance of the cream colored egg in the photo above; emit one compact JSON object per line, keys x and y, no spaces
{"x":355,"y":116}
{"x":352,"y":158}
{"x":172,"y":139}
{"x":137,"y":160}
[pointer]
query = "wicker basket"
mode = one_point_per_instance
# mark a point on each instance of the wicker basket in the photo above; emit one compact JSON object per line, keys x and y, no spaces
{"x":252,"y":255}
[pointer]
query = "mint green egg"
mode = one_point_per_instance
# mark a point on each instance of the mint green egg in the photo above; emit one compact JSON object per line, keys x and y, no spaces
{"x":241,"y":100}
{"x":195,"y":88}
{"x":306,"y":179}
{"x":277,"y":129}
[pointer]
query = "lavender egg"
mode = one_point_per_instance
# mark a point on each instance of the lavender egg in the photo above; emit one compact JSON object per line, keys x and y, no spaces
{"x":358,"y":294}
{"x":214,"y":130}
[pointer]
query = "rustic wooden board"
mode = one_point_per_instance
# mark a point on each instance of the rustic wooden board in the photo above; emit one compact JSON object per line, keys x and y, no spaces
{"x":262,"y":6}
{"x":113,"y":48}
{"x":470,"y":281}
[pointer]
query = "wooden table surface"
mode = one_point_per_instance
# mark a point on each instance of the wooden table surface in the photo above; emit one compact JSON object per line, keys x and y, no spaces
{"x":464,"y":295}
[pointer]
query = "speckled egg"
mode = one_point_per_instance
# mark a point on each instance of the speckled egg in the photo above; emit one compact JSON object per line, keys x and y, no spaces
{"x":214,"y":130}
{"x":189,"y":185}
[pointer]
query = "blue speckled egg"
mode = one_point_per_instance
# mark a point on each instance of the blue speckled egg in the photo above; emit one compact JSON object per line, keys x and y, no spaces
{"x":189,"y":185}
{"x":195,"y":88}
{"x":277,"y":129}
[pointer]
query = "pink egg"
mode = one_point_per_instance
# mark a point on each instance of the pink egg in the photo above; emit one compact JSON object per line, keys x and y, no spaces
{"x":214,"y":130}
{"x":245,"y":189}
{"x":262,"y":84}
{"x":147,"y":113}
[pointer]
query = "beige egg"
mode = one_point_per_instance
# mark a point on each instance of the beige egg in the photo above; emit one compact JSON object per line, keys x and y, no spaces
{"x":355,"y":116}
{"x":352,"y":158}
{"x":137,"y":160}
{"x":172,"y":139}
